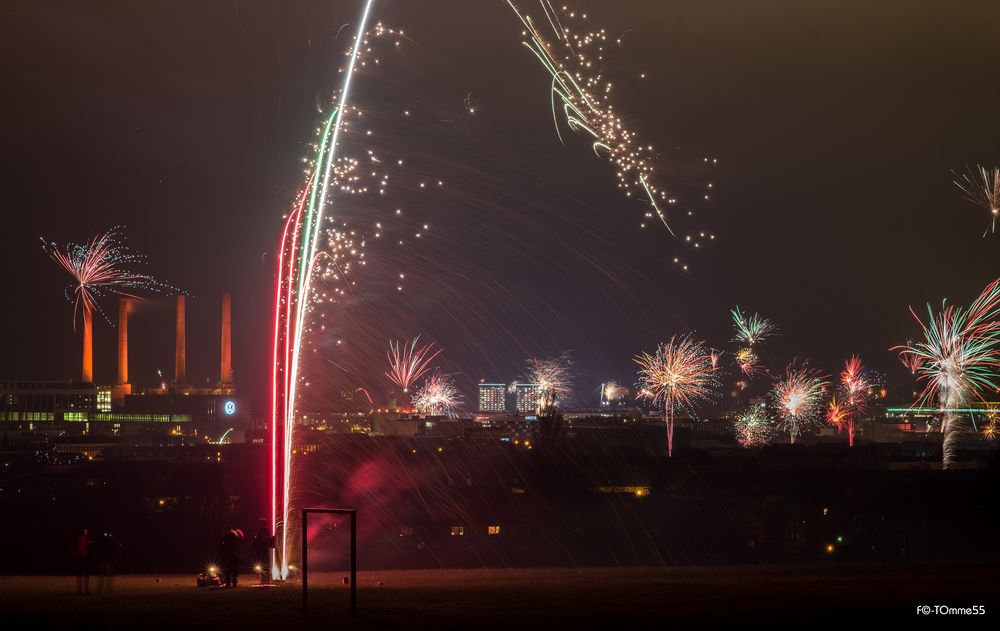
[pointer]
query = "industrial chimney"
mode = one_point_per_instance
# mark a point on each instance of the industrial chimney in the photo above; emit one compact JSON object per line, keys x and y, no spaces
{"x":88,"y":345}
{"x":122,"y":387}
{"x":180,"y":348}
{"x":226,"y":356}
{"x":122,"y":341}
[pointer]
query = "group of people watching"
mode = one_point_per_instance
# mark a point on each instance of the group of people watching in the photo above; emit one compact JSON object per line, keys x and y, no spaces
{"x":94,"y":553}
{"x":231,"y":553}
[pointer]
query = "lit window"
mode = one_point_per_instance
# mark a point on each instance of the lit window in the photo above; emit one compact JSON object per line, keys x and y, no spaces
{"x":457,"y":531}
{"x":493,"y":530}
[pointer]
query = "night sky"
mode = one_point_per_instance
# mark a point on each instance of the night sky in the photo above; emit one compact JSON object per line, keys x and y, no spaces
{"x":836,"y":126}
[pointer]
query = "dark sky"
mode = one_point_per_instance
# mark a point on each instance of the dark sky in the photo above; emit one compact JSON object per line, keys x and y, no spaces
{"x":836,"y":126}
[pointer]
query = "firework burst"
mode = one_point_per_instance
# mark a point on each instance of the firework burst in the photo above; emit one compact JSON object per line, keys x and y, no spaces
{"x":981,"y":186}
{"x":798,"y":398}
{"x":751,"y":329}
{"x":409,"y":363}
{"x":438,"y":396}
{"x":836,"y":413}
{"x":553,"y":377}
{"x":912,"y":361}
{"x":754,"y":427}
{"x":990,"y":429}
{"x":958,"y":359}
{"x":678,"y":375}
{"x":611,"y":391}
{"x":715,"y":356}
{"x":98,"y":270}
{"x":853,"y":391}
{"x":747,"y":360}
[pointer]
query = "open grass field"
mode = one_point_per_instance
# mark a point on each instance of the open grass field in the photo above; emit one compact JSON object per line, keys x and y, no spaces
{"x":477,"y":599}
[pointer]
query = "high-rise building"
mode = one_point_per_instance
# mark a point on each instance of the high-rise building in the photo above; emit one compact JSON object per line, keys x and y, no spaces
{"x":492,"y":397}
{"x":526,"y":398}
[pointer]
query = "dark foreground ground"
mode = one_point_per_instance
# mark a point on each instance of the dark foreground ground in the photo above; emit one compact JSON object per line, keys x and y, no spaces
{"x":477,"y":599}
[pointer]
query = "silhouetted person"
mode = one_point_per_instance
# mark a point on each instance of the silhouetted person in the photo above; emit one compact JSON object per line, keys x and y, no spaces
{"x":105,"y":554}
{"x":263,"y":543}
{"x":230,"y":550}
{"x":80,"y":550}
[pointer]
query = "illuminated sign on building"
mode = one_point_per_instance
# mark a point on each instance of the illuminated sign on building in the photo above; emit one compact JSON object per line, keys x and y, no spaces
{"x":229,"y":408}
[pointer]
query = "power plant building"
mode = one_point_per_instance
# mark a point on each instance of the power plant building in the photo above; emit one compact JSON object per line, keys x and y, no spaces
{"x":85,"y":407}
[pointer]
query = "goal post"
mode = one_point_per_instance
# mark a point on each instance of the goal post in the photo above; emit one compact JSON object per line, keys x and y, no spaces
{"x":354,"y":552}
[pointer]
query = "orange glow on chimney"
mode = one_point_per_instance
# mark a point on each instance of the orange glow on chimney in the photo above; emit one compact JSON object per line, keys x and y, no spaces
{"x":88,"y":345}
{"x":122,"y":341}
{"x":180,"y":348}
{"x":226,"y":357}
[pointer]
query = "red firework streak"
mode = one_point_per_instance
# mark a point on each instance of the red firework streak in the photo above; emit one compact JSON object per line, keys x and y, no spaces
{"x":280,"y":372}
{"x":296,"y":255}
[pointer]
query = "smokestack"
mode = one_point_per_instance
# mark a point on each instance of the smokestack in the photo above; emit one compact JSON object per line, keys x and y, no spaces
{"x":226,"y":357}
{"x":122,"y":341}
{"x":180,"y":348}
{"x":123,"y":387}
{"x":88,"y":346}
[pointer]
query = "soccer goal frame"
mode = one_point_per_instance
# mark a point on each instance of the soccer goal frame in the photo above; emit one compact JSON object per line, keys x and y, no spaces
{"x":354,"y":552}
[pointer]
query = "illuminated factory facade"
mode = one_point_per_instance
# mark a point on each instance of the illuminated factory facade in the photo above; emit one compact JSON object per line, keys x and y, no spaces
{"x":175,"y":409}
{"x":492,"y":397}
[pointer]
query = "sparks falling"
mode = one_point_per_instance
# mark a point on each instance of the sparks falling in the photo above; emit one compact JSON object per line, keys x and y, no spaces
{"x":959,"y":356}
{"x":581,"y":99}
{"x":981,"y":186}
{"x":678,"y":375}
